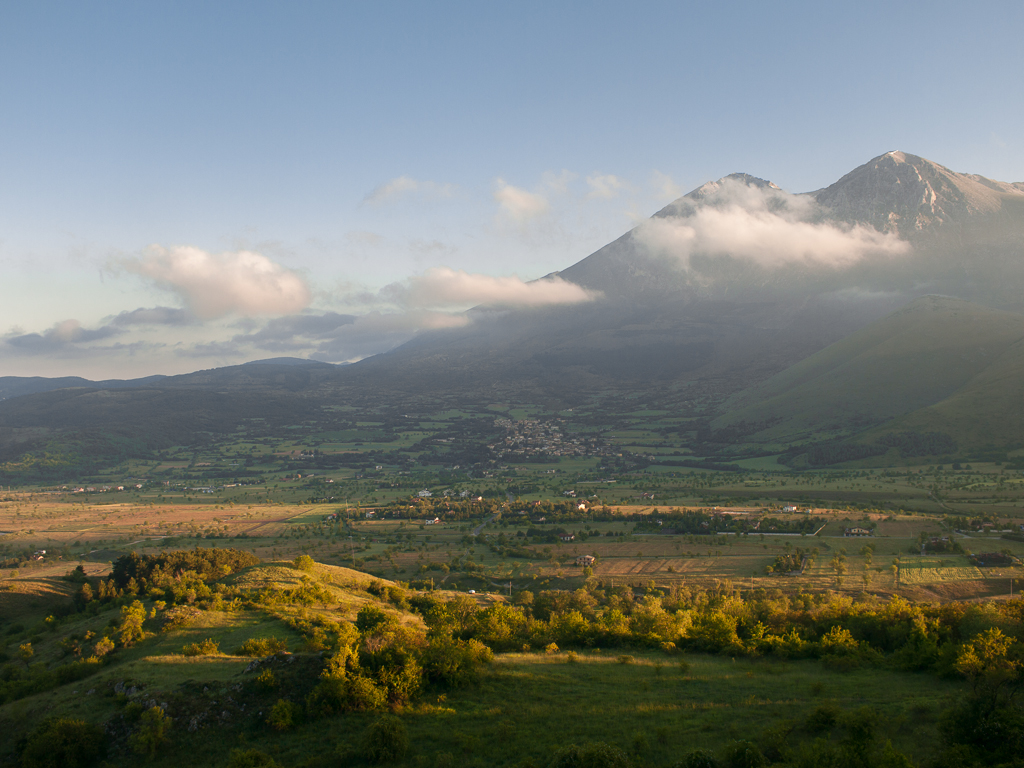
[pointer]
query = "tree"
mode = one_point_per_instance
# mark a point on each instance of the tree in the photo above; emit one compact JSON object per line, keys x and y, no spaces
{"x":64,"y":743}
{"x":132,"y":618}
{"x":385,"y":740}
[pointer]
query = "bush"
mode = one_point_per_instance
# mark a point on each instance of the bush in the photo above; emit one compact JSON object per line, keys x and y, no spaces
{"x":822,"y":718}
{"x":304,"y":563}
{"x":698,"y":759}
{"x":265,"y":680}
{"x":594,"y":754}
{"x":250,"y":758}
{"x":151,"y":733}
{"x":744,"y":754}
{"x":385,"y":740}
{"x":202,"y":648}
{"x":283,"y":715}
{"x":261,"y":646}
{"x":64,"y":743}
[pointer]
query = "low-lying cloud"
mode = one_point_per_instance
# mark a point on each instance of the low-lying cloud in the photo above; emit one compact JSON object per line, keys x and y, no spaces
{"x":763,"y":225}
{"x":217,"y":284}
{"x":62,"y":335}
{"x":153,"y":316}
{"x":442,"y":287}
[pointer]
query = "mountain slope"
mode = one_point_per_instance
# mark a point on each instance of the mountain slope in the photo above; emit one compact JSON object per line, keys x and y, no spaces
{"x":942,"y":364}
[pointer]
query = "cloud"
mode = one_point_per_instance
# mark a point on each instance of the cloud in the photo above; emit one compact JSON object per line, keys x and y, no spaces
{"x":605,"y":187}
{"x":61,"y":336}
{"x":378,"y":332}
{"x":442,"y":287}
{"x":153,"y":316}
{"x":403,"y":186}
{"x":521,"y":206}
{"x":296,"y":332}
{"x":214,"y":285}
{"x":764,"y":225}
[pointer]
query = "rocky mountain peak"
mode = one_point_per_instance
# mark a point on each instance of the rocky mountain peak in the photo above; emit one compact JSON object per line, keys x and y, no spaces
{"x":905,"y":194}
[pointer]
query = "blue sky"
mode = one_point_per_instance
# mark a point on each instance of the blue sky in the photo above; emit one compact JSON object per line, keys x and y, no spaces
{"x":410,"y":147}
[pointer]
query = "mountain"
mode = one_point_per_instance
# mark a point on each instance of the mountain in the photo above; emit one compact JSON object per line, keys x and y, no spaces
{"x":738,"y":280}
{"x":935,"y":363}
{"x":893,"y":296}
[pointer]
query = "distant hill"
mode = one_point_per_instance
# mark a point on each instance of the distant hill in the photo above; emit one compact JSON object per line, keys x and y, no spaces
{"x":939,"y":364}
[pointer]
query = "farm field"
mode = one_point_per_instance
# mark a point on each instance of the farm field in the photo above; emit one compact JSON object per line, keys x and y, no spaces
{"x":500,"y":553}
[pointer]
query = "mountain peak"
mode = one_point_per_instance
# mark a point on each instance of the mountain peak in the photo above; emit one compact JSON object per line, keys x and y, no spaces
{"x":906,"y":194}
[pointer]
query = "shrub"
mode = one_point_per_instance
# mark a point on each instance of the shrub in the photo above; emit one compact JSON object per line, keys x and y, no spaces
{"x":261,"y":646}
{"x":266,"y":681}
{"x":202,"y":648}
{"x":250,"y":758}
{"x":64,"y":743}
{"x":625,"y":659}
{"x":304,"y":563}
{"x":151,"y":733}
{"x":698,"y":759}
{"x":744,"y":754}
{"x":822,"y":718}
{"x":594,"y":754}
{"x":385,"y":740}
{"x":283,"y":715}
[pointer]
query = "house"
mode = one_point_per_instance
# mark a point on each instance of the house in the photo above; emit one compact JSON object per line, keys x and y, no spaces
{"x":581,"y":506}
{"x":856,"y":532}
{"x":424,"y":494}
{"x":370,"y":514}
{"x":586,"y":560}
{"x":790,"y":508}
{"x":435,"y":521}
{"x":566,"y":537}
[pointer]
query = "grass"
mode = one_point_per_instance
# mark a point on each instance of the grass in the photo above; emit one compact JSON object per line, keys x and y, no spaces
{"x":518,"y":712}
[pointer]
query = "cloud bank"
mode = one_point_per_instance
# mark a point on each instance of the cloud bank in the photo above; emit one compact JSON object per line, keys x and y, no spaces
{"x":214,"y":285}
{"x":765,"y":226}
{"x":442,"y":287}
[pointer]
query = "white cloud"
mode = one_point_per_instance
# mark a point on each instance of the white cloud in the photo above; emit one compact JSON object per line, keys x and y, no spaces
{"x":605,"y":186}
{"x":442,"y":287}
{"x":404,"y":185}
{"x":214,"y":285}
{"x":521,"y":206}
{"x":764,"y":225}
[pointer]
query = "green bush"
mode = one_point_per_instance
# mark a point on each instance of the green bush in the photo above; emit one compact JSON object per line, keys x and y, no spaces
{"x":202,"y":648}
{"x":261,"y":646}
{"x":304,"y":563}
{"x":822,"y":718}
{"x":385,"y":740}
{"x":284,"y":715}
{"x":594,"y":754}
{"x":151,"y":733}
{"x":698,"y":759}
{"x":64,"y":743}
{"x":744,"y":754}
{"x":250,"y":758}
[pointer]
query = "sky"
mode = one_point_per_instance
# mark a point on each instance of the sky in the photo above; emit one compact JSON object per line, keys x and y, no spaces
{"x":189,"y":185}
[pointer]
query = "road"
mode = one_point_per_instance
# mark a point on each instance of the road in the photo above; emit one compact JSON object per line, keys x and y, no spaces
{"x":491,"y":519}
